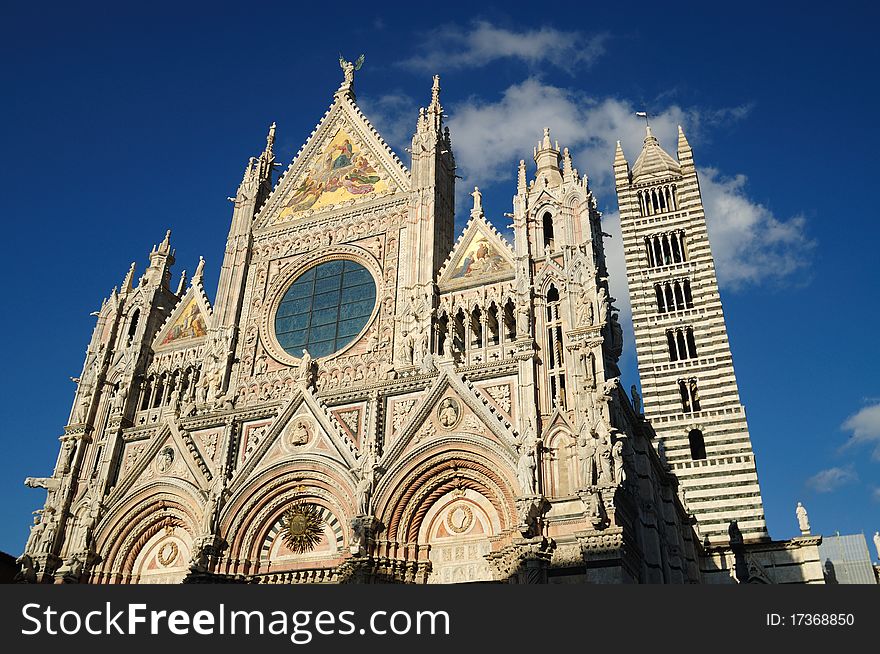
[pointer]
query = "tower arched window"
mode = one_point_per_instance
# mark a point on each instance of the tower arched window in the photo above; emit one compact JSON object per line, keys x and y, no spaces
{"x":697,"y":444}
{"x":681,"y":343}
{"x":690,"y":396}
{"x":548,"y":231}
{"x":554,"y":358}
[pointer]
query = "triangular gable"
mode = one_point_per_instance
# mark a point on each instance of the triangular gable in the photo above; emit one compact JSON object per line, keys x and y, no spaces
{"x":480,"y":256}
{"x":344,"y":161}
{"x":185,"y":463}
{"x":323,"y":436}
{"x":189,"y":323}
{"x":419,"y":416}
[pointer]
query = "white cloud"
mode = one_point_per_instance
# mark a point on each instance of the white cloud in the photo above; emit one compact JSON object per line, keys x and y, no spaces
{"x":751,"y":245}
{"x":481,"y":43}
{"x":829,"y":480}
{"x":865,"y":428}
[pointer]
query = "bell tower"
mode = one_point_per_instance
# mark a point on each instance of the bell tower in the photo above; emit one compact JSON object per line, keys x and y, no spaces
{"x":685,"y":364}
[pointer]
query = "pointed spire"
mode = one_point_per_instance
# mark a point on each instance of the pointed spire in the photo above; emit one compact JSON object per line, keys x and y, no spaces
{"x":684,"y":148}
{"x":547,"y":159}
{"x":521,"y":177}
{"x":435,"y":96}
{"x":653,"y":159}
{"x":200,"y":271}
{"x":181,"y":284}
{"x":270,"y":138}
{"x":165,"y":245}
{"x":129,"y":276}
{"x":567,"y":169}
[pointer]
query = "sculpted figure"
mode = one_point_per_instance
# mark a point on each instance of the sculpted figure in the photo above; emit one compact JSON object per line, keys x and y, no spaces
{"x":586,"y":451}
{"x":615,"y":341}
{"x":602,"y":301}
{"x":603,"y":460}
{"x":617,"y":460}
{"x":802,"y":518}
{"x":585,"y":313}
{"x":525,"y":467}
{"x":636,"y":399}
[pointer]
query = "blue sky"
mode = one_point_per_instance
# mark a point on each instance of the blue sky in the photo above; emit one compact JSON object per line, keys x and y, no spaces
{"x":118,"y":123}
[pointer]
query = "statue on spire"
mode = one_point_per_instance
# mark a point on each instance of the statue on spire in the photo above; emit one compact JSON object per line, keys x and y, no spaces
{"x":348,"y":69}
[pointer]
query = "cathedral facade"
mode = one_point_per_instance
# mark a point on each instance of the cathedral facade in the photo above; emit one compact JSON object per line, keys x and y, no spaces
{"x":370,"y":399}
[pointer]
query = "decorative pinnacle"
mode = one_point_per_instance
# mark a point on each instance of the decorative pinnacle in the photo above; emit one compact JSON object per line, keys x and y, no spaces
{"x":181,"y":284}
{"x":200,"y":270}
{"x":129,"y":276}
{"x":165,"y":245}
{"x":435,"y":94}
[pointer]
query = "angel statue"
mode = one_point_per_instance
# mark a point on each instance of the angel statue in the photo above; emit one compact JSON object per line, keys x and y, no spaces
{"x":348,"y":69}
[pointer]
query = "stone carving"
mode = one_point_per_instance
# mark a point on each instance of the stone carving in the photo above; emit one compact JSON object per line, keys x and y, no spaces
{"x":602,"y":302}
{"x":527,"y":462}
{"x":615,"y":341}
{"x":529,"y":511}
{"x":49,"y":483}
{"x":501,"y":396}
{"x":254,"y":438}
{"x":93,"y":508}
{"x":304,"y":371}
{"x":399,"y":413}
{"x":448,"y":413}
{"x":603,"y":458}
{"x":459,"y":518}
{"x":405,"y":351}
{"x":803,"y":519}
{"x":301,"y":432}
{"x":425,"y":432}
{"x":636,"y":399}
{"x":419,"y":344}
{"x":366,"y":478}
{"x":348,"y":70}
{"x":27,"y":573}
{"x":472,"y":424}
{"x":165,"y":459}
{"x":617,"y":455}
{"x":585,"y":311}
{"x":586,"y":450}
{"x":877,"y":543}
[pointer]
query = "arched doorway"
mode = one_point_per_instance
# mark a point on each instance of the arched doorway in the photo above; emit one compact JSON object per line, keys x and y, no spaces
{"x":457,"y":527}
{"x":164,"y":558}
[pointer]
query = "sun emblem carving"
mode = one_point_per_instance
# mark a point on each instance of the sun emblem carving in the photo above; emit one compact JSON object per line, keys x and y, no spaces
{"x":302,"y":527}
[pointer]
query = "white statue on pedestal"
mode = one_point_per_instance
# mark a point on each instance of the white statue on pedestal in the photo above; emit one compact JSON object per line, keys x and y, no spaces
{"x":803,"y":519}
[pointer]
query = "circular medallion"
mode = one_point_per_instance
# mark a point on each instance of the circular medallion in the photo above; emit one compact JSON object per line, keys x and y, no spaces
{"x":165,"y":459}
{"x":459,"y":518}
{"x":300,"y":431}
{"x":325,"y":308}
{"x":448,"y":413}
{"x":167,"y":553}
